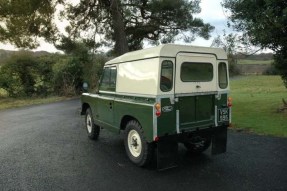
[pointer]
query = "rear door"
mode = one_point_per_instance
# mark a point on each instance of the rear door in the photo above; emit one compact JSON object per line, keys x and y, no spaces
{"x":195,"y":89}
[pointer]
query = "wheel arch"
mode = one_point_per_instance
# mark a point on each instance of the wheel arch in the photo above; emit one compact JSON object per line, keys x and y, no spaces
{"x":125,"y":120}
{"x":85,"y":106}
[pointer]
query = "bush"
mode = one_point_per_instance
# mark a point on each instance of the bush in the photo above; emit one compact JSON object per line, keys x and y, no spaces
{"x":271,"y":70}
{"x":68,"y":74}
{"x":93,"y":71}
{"x":280,"y":62}
{"x":26,"y":75}
{"x":23,"y":75}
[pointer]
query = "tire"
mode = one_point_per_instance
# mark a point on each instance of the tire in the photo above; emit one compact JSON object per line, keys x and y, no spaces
{"x":137,"y":148}
{"x":92,"y":129}
{"x":197,"y":145}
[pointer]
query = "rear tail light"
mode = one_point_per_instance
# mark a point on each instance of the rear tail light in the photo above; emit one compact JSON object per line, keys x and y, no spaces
{"x":157,"y":109}
{"x":229,"y":102}
{"x":156,"y":139}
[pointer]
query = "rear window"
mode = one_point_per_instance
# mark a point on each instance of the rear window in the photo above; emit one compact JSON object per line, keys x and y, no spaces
{"x":196,"y":72}
{"x":222,"y":75}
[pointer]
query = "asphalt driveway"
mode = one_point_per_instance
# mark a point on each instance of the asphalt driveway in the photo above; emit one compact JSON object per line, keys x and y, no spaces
{"x":45,"y":147}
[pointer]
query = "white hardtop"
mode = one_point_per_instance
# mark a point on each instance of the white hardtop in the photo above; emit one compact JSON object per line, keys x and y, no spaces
{"x":167,"y":50}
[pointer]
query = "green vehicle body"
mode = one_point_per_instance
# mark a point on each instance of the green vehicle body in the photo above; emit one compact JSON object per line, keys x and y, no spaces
{"x":188,"y":105}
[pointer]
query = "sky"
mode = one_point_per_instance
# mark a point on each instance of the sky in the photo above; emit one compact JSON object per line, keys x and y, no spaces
{"x":211,"y":12}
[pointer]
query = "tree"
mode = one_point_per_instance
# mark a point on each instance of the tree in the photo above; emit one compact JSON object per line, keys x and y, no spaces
{"x":24,"y":21}
{"x":129,"y":22}
{"x":265,"y":23}
{"x":231,"y":44}
{"x":126,"y":23}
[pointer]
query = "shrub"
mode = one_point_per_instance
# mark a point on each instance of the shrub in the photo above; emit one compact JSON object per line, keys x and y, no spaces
{"x":68,"y":74}
{"x":25,"y":75}
{"x":271,"y":70}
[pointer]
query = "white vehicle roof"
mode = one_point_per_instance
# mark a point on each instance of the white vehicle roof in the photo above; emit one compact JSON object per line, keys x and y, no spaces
{"x":167,"y":50}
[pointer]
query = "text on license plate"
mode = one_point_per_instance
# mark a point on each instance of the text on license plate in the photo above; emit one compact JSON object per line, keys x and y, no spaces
{"x":223,"y":114}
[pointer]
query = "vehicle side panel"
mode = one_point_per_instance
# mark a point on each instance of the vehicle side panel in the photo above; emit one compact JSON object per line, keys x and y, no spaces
{"x":141,"y":111}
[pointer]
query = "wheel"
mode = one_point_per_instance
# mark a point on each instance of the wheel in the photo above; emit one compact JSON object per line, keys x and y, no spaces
{"x":92,"y":129}
{"x":137,"y":148}
{"x":198,"y":144}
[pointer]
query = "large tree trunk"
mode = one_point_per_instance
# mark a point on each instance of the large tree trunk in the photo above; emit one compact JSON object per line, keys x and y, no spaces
{"x":121,"y":43}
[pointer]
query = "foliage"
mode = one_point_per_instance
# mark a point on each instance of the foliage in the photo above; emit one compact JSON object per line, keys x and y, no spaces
{"x":153,"y":20}
{"x":27,"y":74}
{"x":265,"y":27}
{"x":230,"y":44}
{"x":24,"y":75}
{"x":271,"y":70}
{"x":280,"y":59}
{"x":24,"y":21}
{"x":77,"y":66}
{"x":123,"y":24}
{"x":255,"y":101}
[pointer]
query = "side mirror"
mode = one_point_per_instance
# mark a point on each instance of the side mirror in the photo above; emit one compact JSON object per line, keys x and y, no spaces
{"x":85,"y":87}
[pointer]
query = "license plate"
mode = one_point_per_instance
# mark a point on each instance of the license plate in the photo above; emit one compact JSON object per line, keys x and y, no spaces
{"x":223,"y":115}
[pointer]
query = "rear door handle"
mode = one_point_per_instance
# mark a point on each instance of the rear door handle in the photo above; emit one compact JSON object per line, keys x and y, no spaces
{"x":198,"y":86}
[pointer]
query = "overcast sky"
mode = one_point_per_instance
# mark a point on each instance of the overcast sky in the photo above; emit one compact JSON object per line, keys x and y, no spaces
{"x":211,"y":12}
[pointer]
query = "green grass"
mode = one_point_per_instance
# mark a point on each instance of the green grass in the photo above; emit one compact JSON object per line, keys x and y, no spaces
{"x":244,"y":61}
{"x":6,"y":103}
{"x":255,"y":103}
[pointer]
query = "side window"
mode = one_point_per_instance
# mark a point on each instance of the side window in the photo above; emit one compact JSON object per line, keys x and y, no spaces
{"x":196,"y":72}
{"x":222,"y":75}
{"x":166,"y":79}
{"x":108,"y":81}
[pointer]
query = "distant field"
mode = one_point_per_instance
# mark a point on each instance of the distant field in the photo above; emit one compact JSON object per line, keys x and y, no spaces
{"x":255,"y":103}
{"x":255,"y":61}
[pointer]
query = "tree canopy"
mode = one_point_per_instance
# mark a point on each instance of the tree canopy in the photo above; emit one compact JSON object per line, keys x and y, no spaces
{"x":122,"y":24}
{"x":265,"y":23}
{"x":22,"y":22}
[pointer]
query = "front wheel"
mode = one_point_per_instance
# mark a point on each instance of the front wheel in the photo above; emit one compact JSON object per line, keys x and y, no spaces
{"x":92,"y":129}
{"x":137,"y":148}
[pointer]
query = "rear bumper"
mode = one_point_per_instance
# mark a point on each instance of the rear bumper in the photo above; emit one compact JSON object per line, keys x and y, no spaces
{"x":186,"y":135}
{"x":167,"y":146}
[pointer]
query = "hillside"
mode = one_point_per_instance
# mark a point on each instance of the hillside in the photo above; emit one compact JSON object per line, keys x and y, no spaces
{"x":6,"y":54}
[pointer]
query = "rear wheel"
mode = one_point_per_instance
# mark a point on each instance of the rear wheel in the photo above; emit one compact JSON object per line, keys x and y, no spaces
{"x":197,"y":144}
{"x":137,"y":148}
{"x":92,"y":129}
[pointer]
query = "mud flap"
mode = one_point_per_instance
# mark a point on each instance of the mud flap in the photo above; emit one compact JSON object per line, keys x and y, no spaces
{"x":167,"y":154}
{"x":219,"y":141}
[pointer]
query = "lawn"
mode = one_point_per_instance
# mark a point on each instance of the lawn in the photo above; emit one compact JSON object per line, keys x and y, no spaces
{"x":245,"y":61}
{"x":255,"y":103}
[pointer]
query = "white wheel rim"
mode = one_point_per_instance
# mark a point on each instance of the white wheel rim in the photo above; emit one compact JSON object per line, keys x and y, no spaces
{"x":89,"y":123}
{"x":134,"y":143}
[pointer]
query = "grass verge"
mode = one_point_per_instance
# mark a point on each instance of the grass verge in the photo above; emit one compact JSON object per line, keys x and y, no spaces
{"x":255,"y":103}
{"x":6,"y":103}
